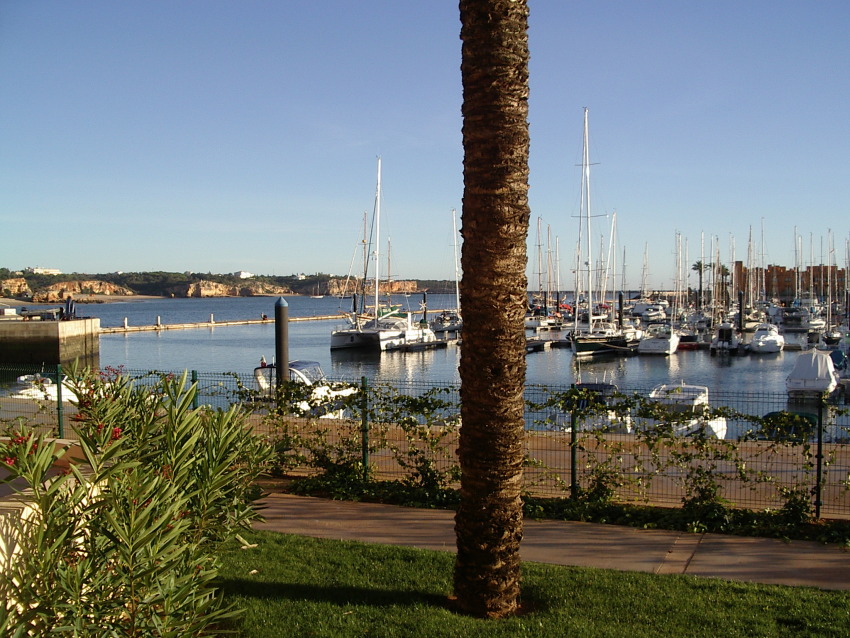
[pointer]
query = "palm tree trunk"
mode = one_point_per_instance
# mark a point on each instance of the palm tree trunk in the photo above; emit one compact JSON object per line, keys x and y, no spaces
{"x":488,"y":523}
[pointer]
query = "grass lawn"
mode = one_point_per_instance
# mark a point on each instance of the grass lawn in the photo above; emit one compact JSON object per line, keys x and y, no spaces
{"x":296,"y":586}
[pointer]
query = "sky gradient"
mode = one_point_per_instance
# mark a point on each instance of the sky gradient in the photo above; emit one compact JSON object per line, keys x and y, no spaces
{"x":213,"y":136}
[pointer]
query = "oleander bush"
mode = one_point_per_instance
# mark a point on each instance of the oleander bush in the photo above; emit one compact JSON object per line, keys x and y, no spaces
{"x":123,"y":539}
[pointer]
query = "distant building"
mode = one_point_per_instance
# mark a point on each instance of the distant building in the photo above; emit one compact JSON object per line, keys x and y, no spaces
{"x":43,"y":271}
{"x":242,"y":274}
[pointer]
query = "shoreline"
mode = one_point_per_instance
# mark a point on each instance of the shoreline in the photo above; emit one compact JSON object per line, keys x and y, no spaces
{"x":94,"y":299}
{"x":98,"y":299}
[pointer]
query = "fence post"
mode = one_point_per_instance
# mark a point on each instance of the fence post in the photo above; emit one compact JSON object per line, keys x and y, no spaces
{"x":196,"y":398}
{"x":364,"y":426}
{"x":573,"y":448}
{"x":60,"y":413}
{"x":819,"y":458}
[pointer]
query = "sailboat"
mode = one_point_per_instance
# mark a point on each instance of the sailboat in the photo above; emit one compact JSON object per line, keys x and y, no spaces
{"x":599,"y":336}
{"x":449,"y":322}
{"x":385,"y":329}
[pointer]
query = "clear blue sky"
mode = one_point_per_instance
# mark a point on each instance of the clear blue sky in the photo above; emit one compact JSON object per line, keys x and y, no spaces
{"x":221,"y":136}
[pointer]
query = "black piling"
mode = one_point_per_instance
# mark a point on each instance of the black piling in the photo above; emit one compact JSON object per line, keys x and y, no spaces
{"x":281,"y":341}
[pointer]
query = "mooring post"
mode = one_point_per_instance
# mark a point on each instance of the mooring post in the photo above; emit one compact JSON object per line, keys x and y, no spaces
{"x":281,"y":341}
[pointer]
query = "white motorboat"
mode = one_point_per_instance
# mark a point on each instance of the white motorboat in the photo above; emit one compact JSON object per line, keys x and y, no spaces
{"x":813,"y":376}
{"x":688,"y":411}
{"x":659,"y":338}
{"x":38,"y":387}
{"x":725,"y":340}
{"x":766,"y":340}
{"x":323,"y":399}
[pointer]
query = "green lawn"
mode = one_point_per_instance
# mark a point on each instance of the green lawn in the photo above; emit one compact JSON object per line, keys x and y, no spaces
{"x":296,"y":586}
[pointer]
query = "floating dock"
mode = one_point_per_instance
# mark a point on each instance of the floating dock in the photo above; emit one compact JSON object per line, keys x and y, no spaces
{"x":210,"y":324}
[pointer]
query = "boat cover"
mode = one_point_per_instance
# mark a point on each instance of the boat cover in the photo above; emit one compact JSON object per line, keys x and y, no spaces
{"x":812,"y":370}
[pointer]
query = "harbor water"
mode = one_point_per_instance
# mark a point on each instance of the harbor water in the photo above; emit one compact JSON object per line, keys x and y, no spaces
{"x":239,"y":348}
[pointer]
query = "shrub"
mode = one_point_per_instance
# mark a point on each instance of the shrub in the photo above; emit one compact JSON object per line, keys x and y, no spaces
{"x":124,"y":541}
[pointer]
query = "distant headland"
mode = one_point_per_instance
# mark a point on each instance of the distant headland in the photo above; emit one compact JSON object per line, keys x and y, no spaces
{"x":38,"y":285}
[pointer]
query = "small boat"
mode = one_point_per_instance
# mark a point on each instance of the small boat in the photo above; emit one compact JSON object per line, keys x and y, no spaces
{"x":725,"y":340}
{"x":596,"y":412}
{"x":37,"y":387}
{"x":687,"y":405}
{"x":324,"y":400}
{"x":831,"y":336}
{"x":660,"y":338}
{"x":446,"y":322}
{"x":814,"y":376}
{"x":766,"y":340}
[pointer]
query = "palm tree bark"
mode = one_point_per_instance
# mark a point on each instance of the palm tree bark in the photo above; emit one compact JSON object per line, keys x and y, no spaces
{"x":488,"y":523}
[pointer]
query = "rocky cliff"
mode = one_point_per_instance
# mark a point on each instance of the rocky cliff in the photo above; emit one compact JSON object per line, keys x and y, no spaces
{"x":16,"y":287}
{"x":213,"y":289}
{"x":338,"y":287}
{"x":79,"y":290}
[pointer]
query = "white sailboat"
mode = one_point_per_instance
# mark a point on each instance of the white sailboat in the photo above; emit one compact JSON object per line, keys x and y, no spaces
{"x":387,"y":329}
{"x":599,"y":337}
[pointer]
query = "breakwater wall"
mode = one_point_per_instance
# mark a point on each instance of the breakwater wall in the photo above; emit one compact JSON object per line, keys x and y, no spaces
{"x":39,"y":342}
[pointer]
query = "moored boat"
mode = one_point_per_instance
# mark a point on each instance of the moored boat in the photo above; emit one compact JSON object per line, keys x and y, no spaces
{"x":766,"y":340}
{"x":814,"y":376}
{"x":687,"y":411}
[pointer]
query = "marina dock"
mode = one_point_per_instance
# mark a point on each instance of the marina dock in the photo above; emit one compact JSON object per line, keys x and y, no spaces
{"x":212,"y":323}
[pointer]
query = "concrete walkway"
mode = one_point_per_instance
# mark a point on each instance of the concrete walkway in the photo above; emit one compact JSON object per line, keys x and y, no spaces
{"x":762,"y":560}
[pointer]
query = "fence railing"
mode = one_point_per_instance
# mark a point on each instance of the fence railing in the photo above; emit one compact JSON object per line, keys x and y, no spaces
{"x":623,"y":441}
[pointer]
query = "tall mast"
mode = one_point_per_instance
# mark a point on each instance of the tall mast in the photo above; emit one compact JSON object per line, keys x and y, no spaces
{"x":377,"y":239}
{"x":585,"y":199}
{"x":457,"y":269}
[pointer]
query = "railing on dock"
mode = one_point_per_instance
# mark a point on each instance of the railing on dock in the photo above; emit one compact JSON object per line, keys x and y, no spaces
{"x":390,"y":428}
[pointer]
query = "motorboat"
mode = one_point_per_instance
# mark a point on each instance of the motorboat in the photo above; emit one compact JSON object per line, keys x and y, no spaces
{"x":659,"y":338}
{"x":39,"y":387}
{"x":447,"y":321}
{"x":766,"y":340}
{"x":813,"y":376}
{"x":321,"y":398}
{"x":594,"y":411}
{"x":687,"y":406}
{"x":725,"y":340}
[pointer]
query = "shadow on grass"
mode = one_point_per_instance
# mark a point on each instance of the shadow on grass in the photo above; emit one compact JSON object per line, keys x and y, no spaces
{"x":339,"y":595}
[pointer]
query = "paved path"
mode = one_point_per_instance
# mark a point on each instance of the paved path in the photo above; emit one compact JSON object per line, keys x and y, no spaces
{"x":571,"y":543}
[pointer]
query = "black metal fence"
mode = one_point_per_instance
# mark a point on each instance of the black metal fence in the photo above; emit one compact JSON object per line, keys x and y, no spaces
{"x":773,"y":450}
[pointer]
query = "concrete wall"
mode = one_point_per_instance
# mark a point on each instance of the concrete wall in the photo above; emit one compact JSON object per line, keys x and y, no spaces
{"x":50,"y":342}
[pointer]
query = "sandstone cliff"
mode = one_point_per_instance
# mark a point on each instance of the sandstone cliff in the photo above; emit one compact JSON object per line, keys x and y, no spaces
{"x":79,"y":290}
{"x":16,"y":287}
{"x":337,"y":287}
{"x":213,"y":289}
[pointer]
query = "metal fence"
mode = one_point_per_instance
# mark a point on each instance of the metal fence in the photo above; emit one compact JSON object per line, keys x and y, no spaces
{"x":773,"y":449}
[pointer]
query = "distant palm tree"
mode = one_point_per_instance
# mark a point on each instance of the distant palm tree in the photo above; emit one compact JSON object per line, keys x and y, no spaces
{"x":488,"y":523}
{"x":700,"y":268}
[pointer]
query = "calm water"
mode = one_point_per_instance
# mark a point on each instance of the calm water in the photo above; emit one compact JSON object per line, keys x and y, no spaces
{"x":239,"y":348}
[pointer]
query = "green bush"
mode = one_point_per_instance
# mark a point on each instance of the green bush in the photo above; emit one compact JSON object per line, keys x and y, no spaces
{"x":123,"y":542}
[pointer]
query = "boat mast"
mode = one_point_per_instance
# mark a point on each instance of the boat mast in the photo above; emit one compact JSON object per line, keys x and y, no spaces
{"x":377,"y":240}
{"x":585,"y":201}
{"x":457,"y":268}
